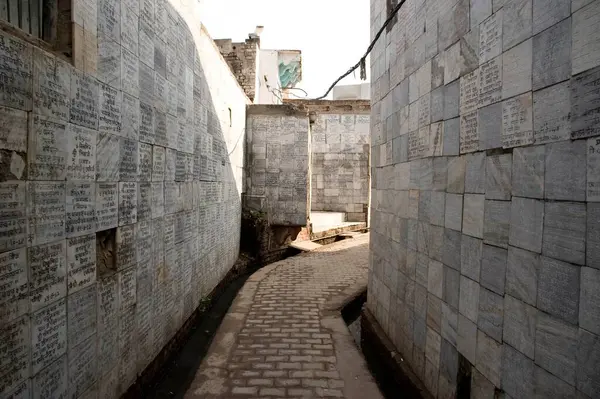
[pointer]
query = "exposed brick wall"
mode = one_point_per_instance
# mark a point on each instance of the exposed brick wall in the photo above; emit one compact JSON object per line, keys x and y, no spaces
{"x":241,"y":58}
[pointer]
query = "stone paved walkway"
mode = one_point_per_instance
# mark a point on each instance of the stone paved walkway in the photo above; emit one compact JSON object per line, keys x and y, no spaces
{"x":283,"y":336}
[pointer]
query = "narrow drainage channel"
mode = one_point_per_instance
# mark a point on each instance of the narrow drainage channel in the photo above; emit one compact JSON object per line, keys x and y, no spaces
{"x":390,"y":383}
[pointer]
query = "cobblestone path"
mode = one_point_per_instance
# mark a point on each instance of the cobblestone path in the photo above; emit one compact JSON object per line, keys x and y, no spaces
{"x":283,"y":336}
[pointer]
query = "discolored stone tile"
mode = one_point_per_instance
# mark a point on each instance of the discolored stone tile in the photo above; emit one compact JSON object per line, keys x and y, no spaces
{"x":564,"y":231}
{"x":556,"y":347}
{"x":519,"y":326}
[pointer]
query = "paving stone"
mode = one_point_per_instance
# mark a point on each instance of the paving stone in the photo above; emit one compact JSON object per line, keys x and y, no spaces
{"x":452,"y":248}
{"x":454,"y":208}
{"x":490,"y":126}
{"x":522,"y":274}
{"x":519,"y":325}
{"x":589,"y":305}
{"x":451,"y":137}
{"x":473,"y":214}
{"x":528,"y":172}
{"x":556,"y":347}
{"x":489,"y":358}
{"x":551,"y":54}
{"x":498,"y":177}
{"x":586,"y":38}
{"x":593,"y":236}
{"x":558,"y":289}
{"x":493,"y":268}
{"x":517,"y":21}
{"x":451,"y":100}
{"x":470,"y":257}
{"x":516,"y":65}
{"x":517,"y":373}
{"x":475,"y":173}
{"x":526,"y":224}
{"x":584,"y":99}
{"x":564,"y":231}
{"x":467,"y":335}
{"x":588,"y":363}
{"x":548,"y":386}
{"x":565,"y":171}
{"x":491,"y":308}
{"x":469,"y":298}
{"x":496,"y":223}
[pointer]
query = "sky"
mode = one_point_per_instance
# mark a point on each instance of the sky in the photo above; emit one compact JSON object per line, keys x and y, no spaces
{"x":331,"y":34}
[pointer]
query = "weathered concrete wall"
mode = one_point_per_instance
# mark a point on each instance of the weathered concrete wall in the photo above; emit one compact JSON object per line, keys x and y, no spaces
{"x":120,"y":195}
{"x":277,"y":141}
{"x":243,"y":60}
{"x":340,"y":157}
{"x":485,"y":243}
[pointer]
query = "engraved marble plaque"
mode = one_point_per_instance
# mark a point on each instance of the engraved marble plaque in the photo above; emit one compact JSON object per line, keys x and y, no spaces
{"x":160,"y":93}
{"x":81,"y":323}
{"x":517,"y":123}
{"x":48,"y":274}
{"x":436,"y":139}
{"x":107,"y":200}
{"x":552,"y":55}
{"x":146,"y":123}
{"x":552,"y":113}
{"x":127,"y":288}
{"x":108,"y":150}
{"x":48,"y":146}
{"x":158,"y":200}
{"x":145,"y":162}
{"x":15,"y":344}
{"x":170,"y":164}
{"x":51,"y":382}
{"x":48,"y":335}
{"x":172,"y":131}
{"x":585,"y":38}
{"x":490,"y":37}
{"x":129,"y":30}
{"x":490,"y":82}
{"x":158,"y":163}
{"x":129,"y":153}
{"x":81,"y":262}
{"x":130,"y":117}
{"x":593,"y":169}
{"x":16,"y":91}
{"x":110,"y":110}
{"x":585,"y":96}
{"x":51,"y":85}
{"x":469,"y":92}
{"x":160,"y":129}
{"x":46,"y":212}
{"x":13,"y":130}
{"x":84,"y":100}
{"x":83,"y":367}
{"x":171,"y":195}
{"x":108,"y":322}
{"x":469,"y":133}
{"x":144,"y":201}
{"x":125,"y":247}
{"x":14,"y":289}
{"x":130,"y":72}
{"x":80,"y":209}
{"x":81,"y":161}
{"x":127,"y":203}
{"x":109,"y":61}
{"x":425,"y":110}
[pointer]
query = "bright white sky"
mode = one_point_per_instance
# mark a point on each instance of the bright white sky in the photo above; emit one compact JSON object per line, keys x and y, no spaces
{"x":332,"y":34}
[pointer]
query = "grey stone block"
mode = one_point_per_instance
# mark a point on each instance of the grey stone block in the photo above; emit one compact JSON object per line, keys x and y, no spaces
{"x":424,"y":206}
{"x":550,"y":386}
{"x":481,"y":387}
{"x":517,"y":121}
{"x":498,"y":177}
{"x":528,"y":172}
{"x":480,"y":10}
{"x":552,"y":113}
{"x":564,"y":231}
{"x":493,"y":268}
{"x":588,"y":363}
{"x":593,"y":170}
{"x":432,"y":347}
{"x":420,"y":331}
{"x":517,"y":373}
{"x":436,"y":243}
{"x":467,"y":335}
{"x":556,"y":347}
{"x":423,"y":236}
{"x":519,"y":325}
{"x":548,"y":13}
{"x":490,"y":85}
{"x":451,"y":287}
{"x":470,"y":257}
{"x":437,"y":104}
{"x":456,"y":174}
{"x":451,"y":99}
{"x":452,"y":248}
{"x":434,"y":313}
{"x":431,"y":377}
{"x":435,"y":278}
{"x":490,"y":37}
{"x":473,"y":214}
{"x":440,"y":173}
{"x":593,"y":235}
{"x":453,"y":24}
{"x":496,"y":223}
{"x":489,"y":358}
{"x":451,"y":137}
{"x":454,"y":208}
{"x":558,"y":289}
{"x":448,"y":361}
{"x":589,"y":305}
{"x":584,"y":99}
{"x":422,"y":270}
{"x":517,"y":22}
{"x":526,"y":224}
{"x":565,"y":171}
{"x":437,"y":209}
{"x":491,"y":310}
{"x":469,"y":298}
{"x":522,"y":274}
{"x":449,"y":323}
{"x":437,"y":72}
{"x":475,"y":173}
{"x":490,"y":126}
{"x":551,"y":54}
{"x":585,"y":38}
{"x":516,"y":66}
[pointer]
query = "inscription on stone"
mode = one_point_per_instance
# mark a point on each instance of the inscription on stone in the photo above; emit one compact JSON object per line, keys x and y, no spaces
{"x":51,"y":86}
{"x":81,"y":262}
{"x":47,"y":282}
{"x":585,"y":108}
{"x":158,"y":163}
{"x":46,"y":210}
{"x":490,"y":82}
{"x":425,"y":110}
{"x":110,"y":110}
{"x":13,"y":130}
{"x":107,"y":200}
{"x":48,"y":335}
{"x":171,"y":98}
{"x":15,"y":344}
{"x":593,"y":170}
{"x":125,"y":247}
{"x":81,"y":162}
{"x":158,"y":200}
{"x":127,"y":203}
{"x":490,"y":37}
{"x":144,"y":201}
{"x":129,"y":30}
{"x":109,"y":61}
{"x":127,"y":288}
{"x":81,"y":308}
{"x":84,"y":100}
{"x":82,"y":368}
{"x":469,"y":135}
{"x":108,"y":322}
{"x":108,"y":149}
{"x":130,"y":73}
{"x":145,"y":162}
{"x":160,"y":128}
{"x":48,"y":146}
{"x":517,"y":123}
{"x":14,"y":290}
{"x":128,"y":168}
{"x":52,"y":381}
{"x":552,"y":113}
{"x":469,"y":92}
{"x":130,"y":117}
{"x":80,"y":210}
{"x":146,"y":44}
{"x":16,"y":87}
{"x":146,"y":123}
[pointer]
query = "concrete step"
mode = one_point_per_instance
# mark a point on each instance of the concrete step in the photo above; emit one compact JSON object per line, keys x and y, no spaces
{"x":306,"y":246}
